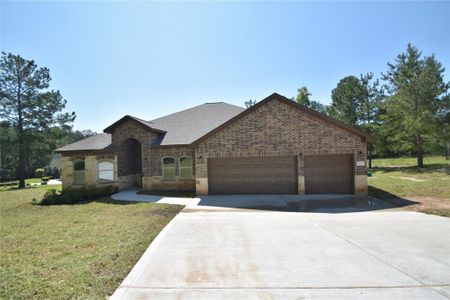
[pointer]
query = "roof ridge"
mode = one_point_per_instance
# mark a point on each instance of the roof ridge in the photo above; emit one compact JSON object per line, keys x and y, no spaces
{"x":191,"y":108}
{"x":276,"y":96}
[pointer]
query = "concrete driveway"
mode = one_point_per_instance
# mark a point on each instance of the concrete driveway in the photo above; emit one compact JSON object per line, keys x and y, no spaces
{"x":211,"y":251}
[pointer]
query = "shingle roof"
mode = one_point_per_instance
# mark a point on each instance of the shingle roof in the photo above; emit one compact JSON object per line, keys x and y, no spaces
{"x":143,"y":123}
{"x":188,"y":125}
{"x":180,"y":128}
{"x":101,"y":141}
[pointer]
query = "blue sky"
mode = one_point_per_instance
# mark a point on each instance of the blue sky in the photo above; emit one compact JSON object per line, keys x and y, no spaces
{"x":148,"y":59}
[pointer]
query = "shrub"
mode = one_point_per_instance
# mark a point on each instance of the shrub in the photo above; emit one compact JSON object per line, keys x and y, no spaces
{"x":50,"y":197}
{"x":45,"y":179}
{"x":39,"y":173}
{"x":71,"y":196}
{"x":9,"y":184}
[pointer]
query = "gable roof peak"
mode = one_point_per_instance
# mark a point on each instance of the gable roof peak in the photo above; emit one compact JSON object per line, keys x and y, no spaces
{"x":286,"y":100}
{"x":146,"y":124}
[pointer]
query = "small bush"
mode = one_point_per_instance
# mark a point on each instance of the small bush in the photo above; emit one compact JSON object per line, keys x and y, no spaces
{"x":71,"y":196}
{"x":39,"y":173}
{"x":9,"y":184}
{"x":45,"y":179}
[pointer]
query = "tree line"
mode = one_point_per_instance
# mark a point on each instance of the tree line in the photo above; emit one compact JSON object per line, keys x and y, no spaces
{"x":32,"y":121}
{"x":407,"y":109}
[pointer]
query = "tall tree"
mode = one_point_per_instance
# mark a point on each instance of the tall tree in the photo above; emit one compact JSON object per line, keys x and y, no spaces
{"x":368,"y":106}
{"x":249,"y":103}
{"x":346,"y":98}
{"x":303,"y":98}
{"x":8,"y":149}
{"x":28,"y":104}
{"x":417,"y":92}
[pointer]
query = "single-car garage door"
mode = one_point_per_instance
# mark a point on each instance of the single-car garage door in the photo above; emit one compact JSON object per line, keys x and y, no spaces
{"x":253,"y":175}
{"x":329,"y":174}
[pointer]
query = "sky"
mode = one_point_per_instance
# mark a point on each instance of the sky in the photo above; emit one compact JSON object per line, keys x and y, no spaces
{"x":149,"y":59}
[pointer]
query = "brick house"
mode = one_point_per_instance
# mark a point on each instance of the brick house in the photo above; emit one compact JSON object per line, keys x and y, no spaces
{"x":276,"y":146}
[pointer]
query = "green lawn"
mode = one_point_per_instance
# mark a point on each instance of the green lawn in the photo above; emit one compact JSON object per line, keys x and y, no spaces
{"x":72,"y":251}
{"x":10,"y":185}
{"x":396,"y":178}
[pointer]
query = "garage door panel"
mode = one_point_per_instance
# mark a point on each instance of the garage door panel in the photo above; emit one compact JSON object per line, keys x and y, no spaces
{"x":253,"y":175}
{"x":326,"y":174}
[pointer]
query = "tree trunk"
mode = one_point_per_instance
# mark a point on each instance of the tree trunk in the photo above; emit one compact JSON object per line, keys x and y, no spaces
{"x":370,"y":156}
{"x":21,"y":171}
{"x":419,"y":151}
{"x":20,"y":133}
{"x":447,"y":152}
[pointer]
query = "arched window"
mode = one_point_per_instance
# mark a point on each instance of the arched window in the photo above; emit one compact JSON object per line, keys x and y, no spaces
{"x":168,"y":168}
{"x":105,"y":171}
{"x":186,"y":167}
{"x":78,"y":171}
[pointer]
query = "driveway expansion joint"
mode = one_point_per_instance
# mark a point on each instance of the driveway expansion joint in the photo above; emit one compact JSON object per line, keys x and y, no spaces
{"x":284,"y":287}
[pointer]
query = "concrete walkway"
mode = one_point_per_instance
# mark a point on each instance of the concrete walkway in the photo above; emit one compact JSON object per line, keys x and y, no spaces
{"x":212,"y":252}
{"x":132,"y":195}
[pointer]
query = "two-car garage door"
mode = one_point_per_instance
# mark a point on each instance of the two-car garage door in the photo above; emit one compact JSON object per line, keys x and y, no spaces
{"x":278,"y":175}
{"x":253,"y":175}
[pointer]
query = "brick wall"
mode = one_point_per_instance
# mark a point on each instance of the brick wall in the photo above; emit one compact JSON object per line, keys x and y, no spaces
{"x":134,"y":130}
{"x":156,"y":182}
{"x":277,"y":128}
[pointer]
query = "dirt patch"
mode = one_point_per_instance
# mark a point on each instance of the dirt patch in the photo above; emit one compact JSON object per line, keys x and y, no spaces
{"x":431,"y":205}
{"x":411,"y":178}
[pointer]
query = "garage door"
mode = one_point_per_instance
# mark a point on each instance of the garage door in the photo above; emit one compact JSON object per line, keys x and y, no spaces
{"x":329,"y":174}
{"x":253,"y":175}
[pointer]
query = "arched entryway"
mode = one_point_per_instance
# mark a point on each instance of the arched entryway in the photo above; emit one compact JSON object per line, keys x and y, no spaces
{"x":129,"y":161}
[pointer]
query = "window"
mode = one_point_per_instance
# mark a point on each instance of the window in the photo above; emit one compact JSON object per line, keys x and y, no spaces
{"x":169,"y":168}
{"x":78,"y":172}
{"x":106,"y":171}
{"x":185,"y":168}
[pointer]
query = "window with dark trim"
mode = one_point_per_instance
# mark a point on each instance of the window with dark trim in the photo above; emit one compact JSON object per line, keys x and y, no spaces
{"x":78,"y":171}
{"x":186,"y":167}
{"x":168,"y":168}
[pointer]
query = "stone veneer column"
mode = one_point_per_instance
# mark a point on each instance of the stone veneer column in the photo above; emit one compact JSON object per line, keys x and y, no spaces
{"x":66,"y":172}
{"x":90,"y":170}
{"x":301,"y":174}
{"x":201,"y":174}
{"x":360,"y":178}
{"x":361,"y":185}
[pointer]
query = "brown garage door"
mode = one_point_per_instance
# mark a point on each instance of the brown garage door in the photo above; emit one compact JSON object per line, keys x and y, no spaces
{"x":253,"y":175}
{"x":329,"y":174}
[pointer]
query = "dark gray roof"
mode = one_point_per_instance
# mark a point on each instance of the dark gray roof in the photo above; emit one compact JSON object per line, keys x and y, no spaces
{"x":180,"y":128}
{"x":101,"y":141}
{"x":145,"y":124}
{"x":186,"y":126}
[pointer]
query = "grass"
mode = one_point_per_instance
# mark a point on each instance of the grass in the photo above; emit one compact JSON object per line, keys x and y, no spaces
{"x":72,"y":251}
{"x":11,"y":185}
{"x":427,"y":189}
